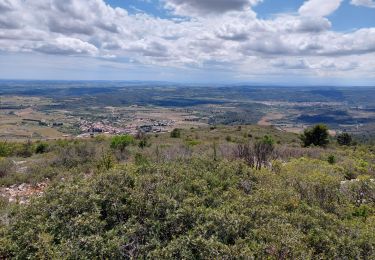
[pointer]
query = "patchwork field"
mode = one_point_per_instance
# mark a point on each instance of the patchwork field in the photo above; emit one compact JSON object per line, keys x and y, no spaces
{"x":61,"y":109}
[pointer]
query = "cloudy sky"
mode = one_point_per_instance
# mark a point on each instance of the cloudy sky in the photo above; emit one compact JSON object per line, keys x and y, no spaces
{"x":309,"y":42}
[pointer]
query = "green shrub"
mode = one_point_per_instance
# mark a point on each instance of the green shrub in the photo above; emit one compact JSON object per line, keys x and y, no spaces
{"x":176,"y":133}
{"x":344,"y":139}
{"x":331,"y":159}
{"x":121,"y":142}
{"x":5,"y":149}
{"x":106,"y":161}
{"x":192,"y":142}
{"x":41,"y":148}
{"x":180,"y":201}
{"x":201,"y":209}
{"x":144,"y":142}
{"x":25,"y":149}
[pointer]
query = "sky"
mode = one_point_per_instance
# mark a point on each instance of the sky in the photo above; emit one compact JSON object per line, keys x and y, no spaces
{"x":294,"y":42}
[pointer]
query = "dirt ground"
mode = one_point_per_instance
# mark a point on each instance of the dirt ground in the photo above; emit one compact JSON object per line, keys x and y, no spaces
{"x":267,"y":119}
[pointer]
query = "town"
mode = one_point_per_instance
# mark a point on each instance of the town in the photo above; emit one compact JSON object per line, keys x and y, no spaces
{"x":89,"y":129}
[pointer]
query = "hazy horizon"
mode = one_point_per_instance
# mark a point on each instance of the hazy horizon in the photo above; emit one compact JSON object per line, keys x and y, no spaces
{"x":191,"y":83}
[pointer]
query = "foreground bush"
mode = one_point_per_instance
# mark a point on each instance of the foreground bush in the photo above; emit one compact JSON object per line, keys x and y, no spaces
{"x":198,"y":209}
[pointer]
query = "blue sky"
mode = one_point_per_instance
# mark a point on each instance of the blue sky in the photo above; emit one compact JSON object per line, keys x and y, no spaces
{"x":133,"y":6}
{"x":312,"y":42}
{"x":346,"y":18}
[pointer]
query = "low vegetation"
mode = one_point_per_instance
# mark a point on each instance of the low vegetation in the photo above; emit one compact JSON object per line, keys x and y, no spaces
{"x":263,"y":194}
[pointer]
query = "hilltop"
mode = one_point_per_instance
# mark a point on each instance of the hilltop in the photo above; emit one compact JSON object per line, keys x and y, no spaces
{"x":228,"y":191}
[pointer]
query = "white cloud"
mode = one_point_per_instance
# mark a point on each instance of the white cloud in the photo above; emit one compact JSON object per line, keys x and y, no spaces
{"x":319,"y":8}
{"x":235,"y":39}
{"x":68,"y":46}
{"x":365,"y":3}
{"x":7,"y":5}
{"x":291,"y":64}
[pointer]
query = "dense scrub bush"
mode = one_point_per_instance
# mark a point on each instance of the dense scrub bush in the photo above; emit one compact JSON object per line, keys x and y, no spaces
{"x":317,"y":183}
{"x":195,"y":209}
{"x":360,"y":191}
{"x":18,"y":149}
{"x":354,"y":167}
{"x":184,"y":199}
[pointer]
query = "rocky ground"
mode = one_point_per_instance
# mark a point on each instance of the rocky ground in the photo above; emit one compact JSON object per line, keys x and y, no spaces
{"x":22,"y":193}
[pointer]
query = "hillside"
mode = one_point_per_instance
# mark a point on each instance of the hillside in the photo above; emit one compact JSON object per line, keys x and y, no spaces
{"x":201,"y":193}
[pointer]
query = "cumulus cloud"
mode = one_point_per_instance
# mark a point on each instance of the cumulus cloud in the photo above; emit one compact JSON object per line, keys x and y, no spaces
{"x":365,"y":3}
{"x":67,"y":46}
{"x":9,"y":24}
{"x":335,"y":65}
{"x":149,"y":49}
{"x":301,"y":24}
{"x":236,"y":38}
{"x":291,"y":64}
{"x":188,"y":7}
{"x":6,"y":5}
{"x":319,"y":7}
{"x":313,"y":25}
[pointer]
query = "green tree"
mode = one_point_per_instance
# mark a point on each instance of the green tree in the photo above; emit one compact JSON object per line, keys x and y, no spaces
{"x":317,"y":135}
{"x":121,"y":142}
{"x":344,"y":139}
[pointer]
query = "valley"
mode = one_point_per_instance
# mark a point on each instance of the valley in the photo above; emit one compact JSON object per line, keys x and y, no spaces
{"x":52,"y":110}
